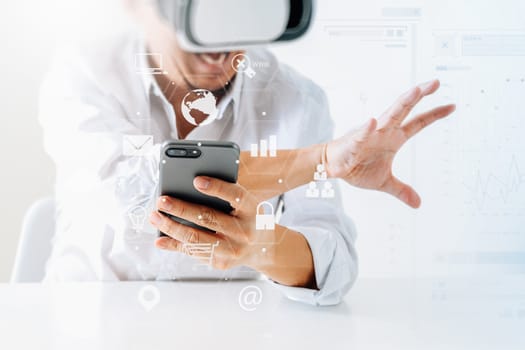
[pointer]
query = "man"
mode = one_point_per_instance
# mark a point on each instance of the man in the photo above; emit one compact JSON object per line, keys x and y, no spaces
{"x":93,"y":102}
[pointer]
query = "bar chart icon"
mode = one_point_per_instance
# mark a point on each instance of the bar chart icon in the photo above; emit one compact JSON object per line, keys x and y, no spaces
{"x":265,"y":148}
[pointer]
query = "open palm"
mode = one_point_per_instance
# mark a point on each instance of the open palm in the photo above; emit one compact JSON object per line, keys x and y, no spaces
{"x":364,"y":157}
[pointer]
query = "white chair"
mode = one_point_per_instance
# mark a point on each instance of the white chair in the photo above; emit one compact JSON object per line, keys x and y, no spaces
{"x":34,"y":247}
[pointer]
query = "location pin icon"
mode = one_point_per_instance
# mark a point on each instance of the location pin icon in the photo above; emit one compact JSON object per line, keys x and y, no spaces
{"x":149,"y":297}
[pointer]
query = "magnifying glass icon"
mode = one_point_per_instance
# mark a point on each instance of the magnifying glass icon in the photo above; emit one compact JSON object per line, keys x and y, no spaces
{"x":241,"y":64}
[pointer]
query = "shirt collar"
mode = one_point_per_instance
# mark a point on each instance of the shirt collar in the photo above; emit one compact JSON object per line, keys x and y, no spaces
{"x":151,"y":86}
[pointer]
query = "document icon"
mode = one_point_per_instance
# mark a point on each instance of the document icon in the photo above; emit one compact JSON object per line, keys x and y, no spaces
{"x":137,"y":145}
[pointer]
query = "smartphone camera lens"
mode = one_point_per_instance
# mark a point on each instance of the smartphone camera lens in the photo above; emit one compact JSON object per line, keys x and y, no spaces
{"x":176,"y":152}
{"x":183,"y":153}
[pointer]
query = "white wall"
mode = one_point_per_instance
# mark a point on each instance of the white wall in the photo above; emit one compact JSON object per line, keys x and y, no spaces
{"x":30,"y":31}
{"x":27,"y":174}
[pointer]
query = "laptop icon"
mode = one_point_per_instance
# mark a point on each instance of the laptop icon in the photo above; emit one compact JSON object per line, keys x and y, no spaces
{"x":149,"y":63}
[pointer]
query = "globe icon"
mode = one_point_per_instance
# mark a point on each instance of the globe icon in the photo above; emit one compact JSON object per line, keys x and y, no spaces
{"x":199,"y":107}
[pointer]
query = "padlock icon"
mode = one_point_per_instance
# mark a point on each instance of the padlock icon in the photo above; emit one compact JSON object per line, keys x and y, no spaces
{"x":264,"y":221}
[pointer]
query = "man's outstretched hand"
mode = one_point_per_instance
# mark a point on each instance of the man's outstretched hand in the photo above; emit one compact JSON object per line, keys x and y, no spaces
{"x":364,"y":157}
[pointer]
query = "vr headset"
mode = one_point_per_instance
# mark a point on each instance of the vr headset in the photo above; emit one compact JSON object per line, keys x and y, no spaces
{"x":227,"y":25}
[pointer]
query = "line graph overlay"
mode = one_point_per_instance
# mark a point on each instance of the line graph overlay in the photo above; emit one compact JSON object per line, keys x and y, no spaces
{"x":503,"y":187}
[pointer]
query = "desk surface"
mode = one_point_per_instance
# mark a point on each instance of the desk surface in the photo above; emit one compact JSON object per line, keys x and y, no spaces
{"x":376,"y":314}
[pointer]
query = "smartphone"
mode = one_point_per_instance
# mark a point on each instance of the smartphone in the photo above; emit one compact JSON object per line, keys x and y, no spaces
{"x":182,"y":161}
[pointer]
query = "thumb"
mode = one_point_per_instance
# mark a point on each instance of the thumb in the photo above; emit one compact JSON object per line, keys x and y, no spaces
{"x":402,"y":191}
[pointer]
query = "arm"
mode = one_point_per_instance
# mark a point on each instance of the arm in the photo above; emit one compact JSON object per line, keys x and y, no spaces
{"x":282,"y":254}
{"x":272,"y":179}
{"x":362,"y":157}
{"x":286,"y":254}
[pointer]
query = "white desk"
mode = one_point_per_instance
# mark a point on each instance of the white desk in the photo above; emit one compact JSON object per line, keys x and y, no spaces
{"x":377,"y":314}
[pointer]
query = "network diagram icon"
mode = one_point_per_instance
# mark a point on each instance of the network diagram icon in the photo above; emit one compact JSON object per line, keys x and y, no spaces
{"x":320,"y":176}
{"x":328,"y":190}
{"x":320,"y":173}
{"x":312,"y":191}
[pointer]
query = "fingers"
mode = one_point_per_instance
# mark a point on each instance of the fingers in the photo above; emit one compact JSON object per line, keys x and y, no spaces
{"x":231,"y":193}
{"x":423,"y":120}
{"x":179,"y":232}
{"x":406,"y":102}
{"x":429,"y":87}
{"x":199,"y":214}
{"x":196,"y":250}
{"x":169,"y":243}
{"x":402,"y":191}
{"x":401,"y":108}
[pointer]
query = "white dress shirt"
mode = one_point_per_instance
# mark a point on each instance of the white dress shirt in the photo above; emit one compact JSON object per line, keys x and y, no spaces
{"x":94,"y":97}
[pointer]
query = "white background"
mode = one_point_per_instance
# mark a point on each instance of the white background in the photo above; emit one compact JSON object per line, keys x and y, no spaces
{"x":470,"y":170}
{"x":26,"y":173}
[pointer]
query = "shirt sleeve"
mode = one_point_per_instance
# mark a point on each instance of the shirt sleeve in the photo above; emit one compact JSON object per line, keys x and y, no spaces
{"x":331,"y":237}
{"x":97,"y":185}
{"x":322,"y":221}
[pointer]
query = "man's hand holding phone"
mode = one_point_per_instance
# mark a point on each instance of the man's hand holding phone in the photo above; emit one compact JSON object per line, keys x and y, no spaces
{"x":235,"y":232}
{"x":239,"y":243}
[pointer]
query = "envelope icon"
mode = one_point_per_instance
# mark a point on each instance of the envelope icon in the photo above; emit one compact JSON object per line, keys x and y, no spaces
{"x":137,"y":145}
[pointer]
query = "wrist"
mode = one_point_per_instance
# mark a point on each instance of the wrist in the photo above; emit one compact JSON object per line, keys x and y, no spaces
{"x":261,"y":253}
{"x":286,"y":259}
{"x":315,"y":155}
{"x":319,"y":162}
